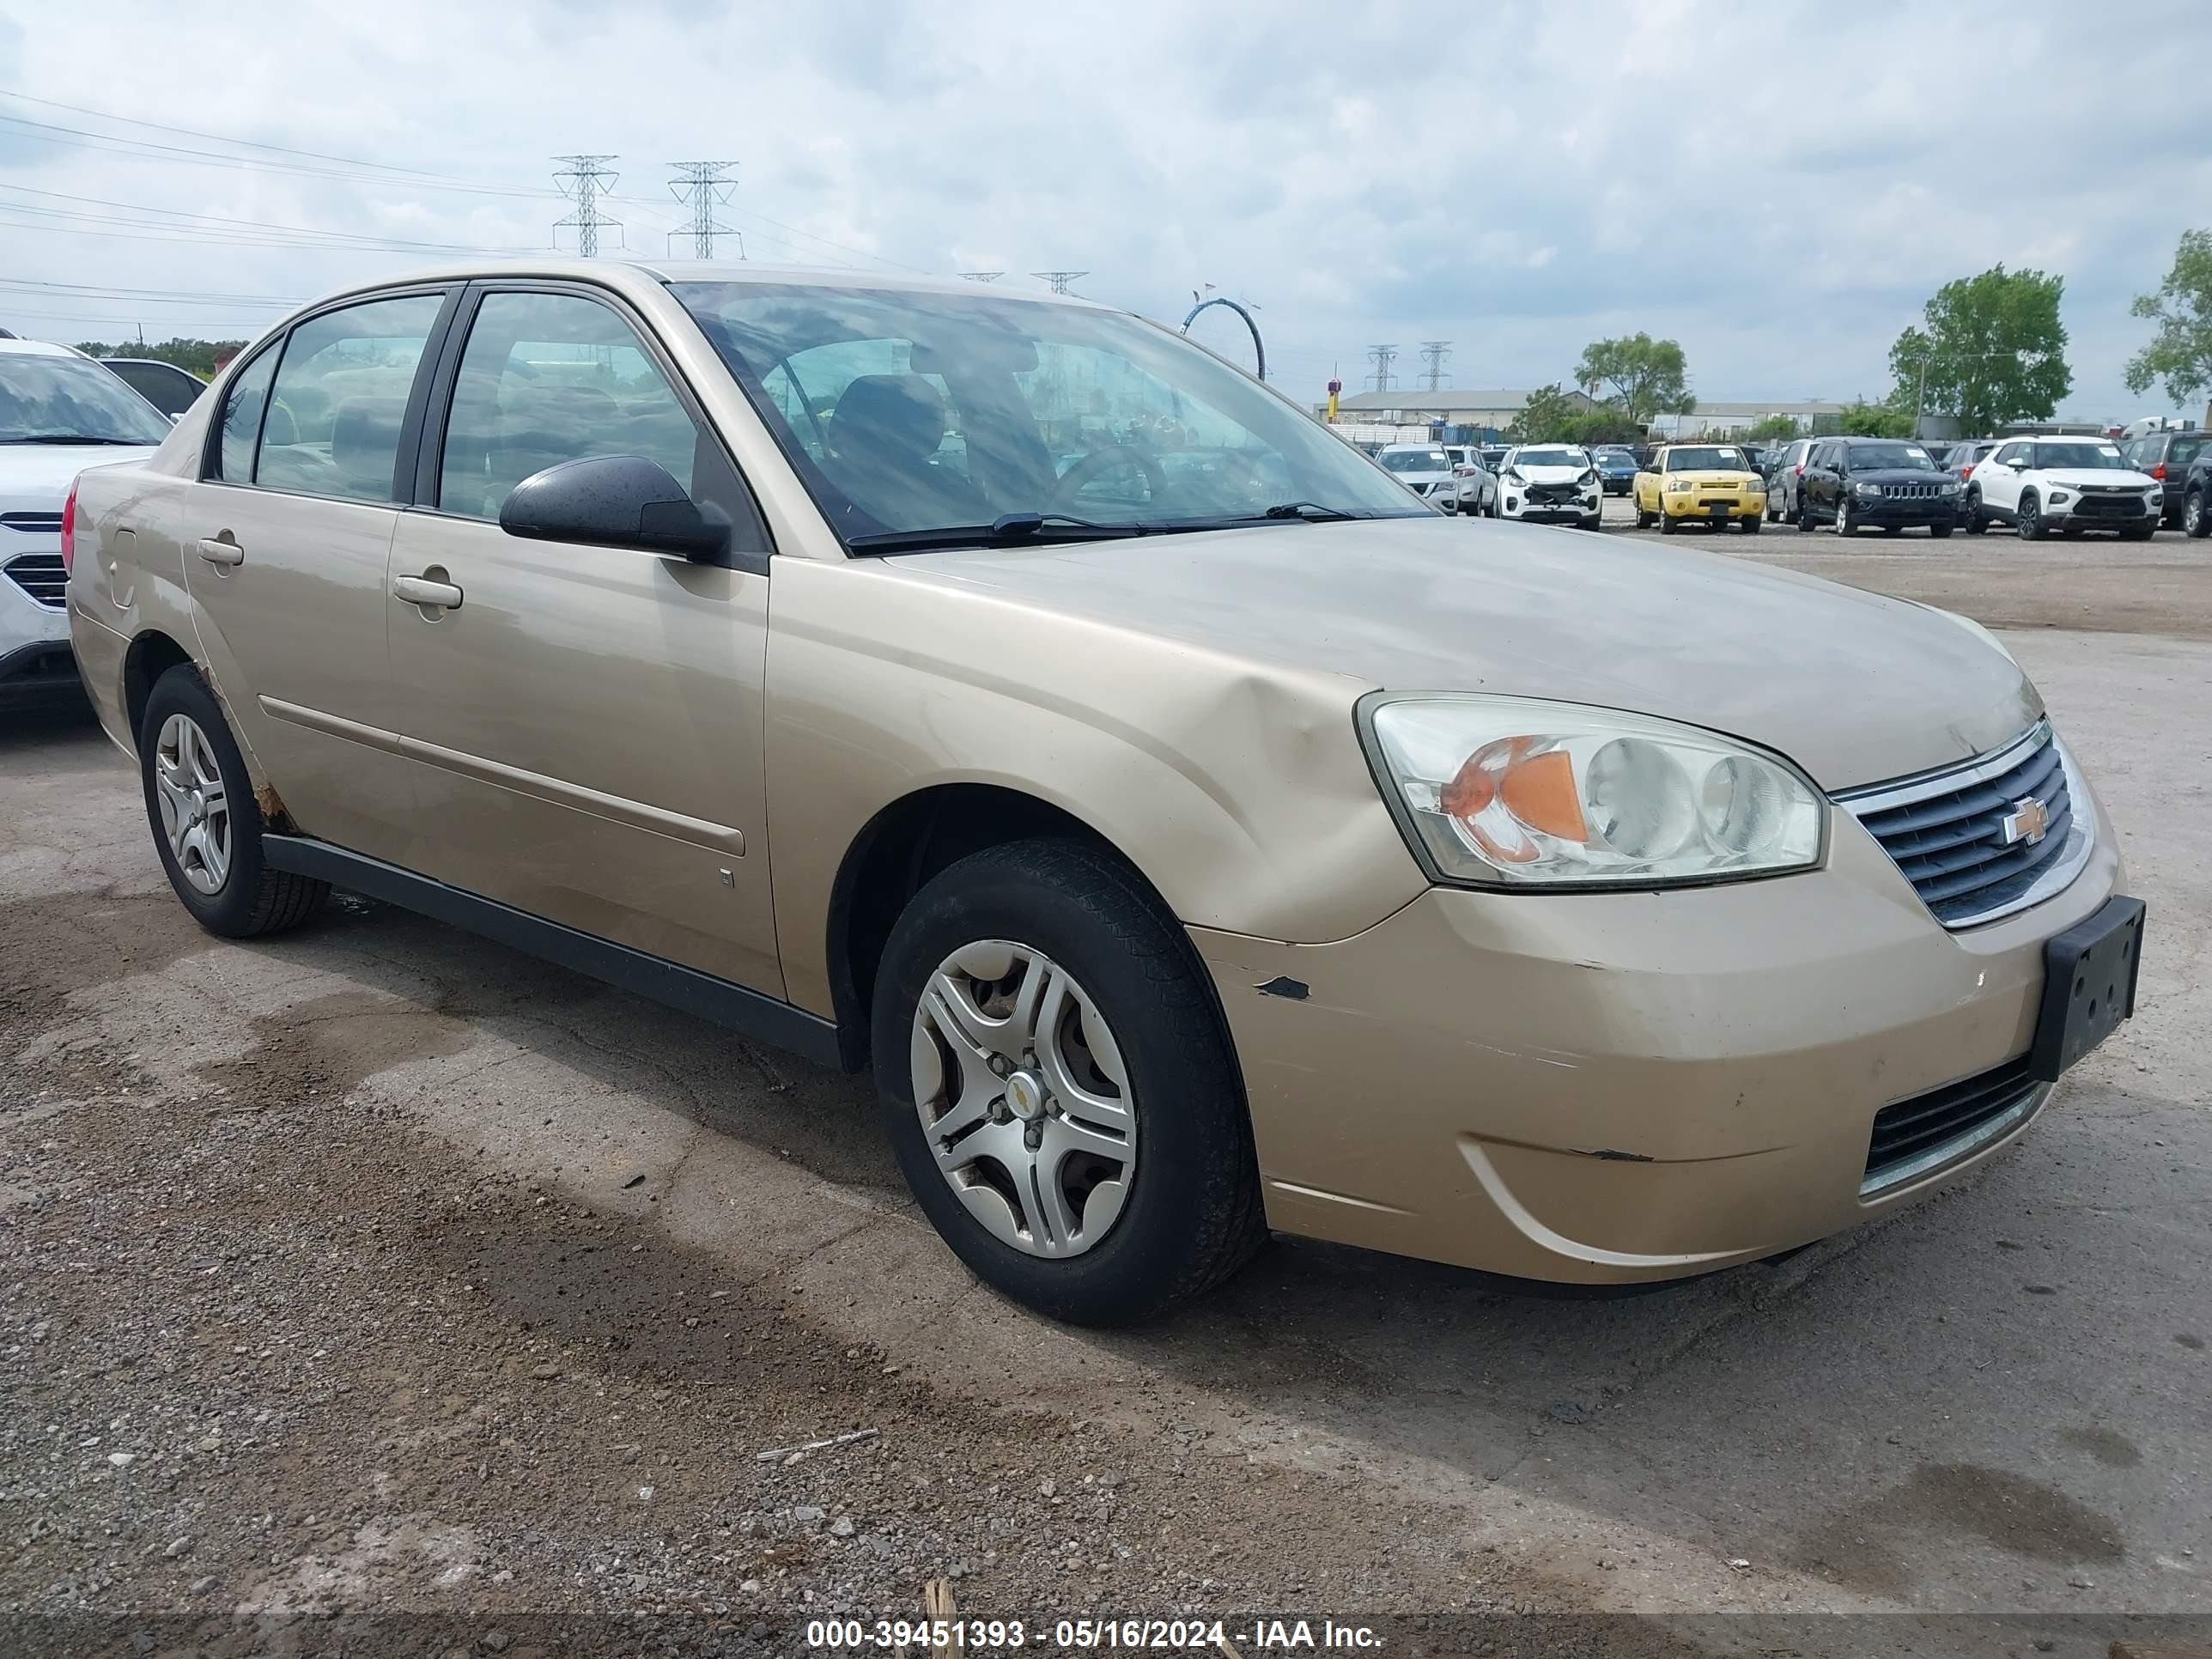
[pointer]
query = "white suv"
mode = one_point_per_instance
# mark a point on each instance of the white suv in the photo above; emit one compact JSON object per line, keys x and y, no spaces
{"x":60,"y":412}
{"x":1424,"y":469}
{"x":2041,"y":484}
{"x":1558,"y":483}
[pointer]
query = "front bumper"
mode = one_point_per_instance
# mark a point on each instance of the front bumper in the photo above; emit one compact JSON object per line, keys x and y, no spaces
{"x":2102,"y":512}
{"x":1910,"y":511}
{"x":34,"y":638}
{"x":1713,"y":504}
{"x":1517,"y":502}
{"x":1606,"y":1088}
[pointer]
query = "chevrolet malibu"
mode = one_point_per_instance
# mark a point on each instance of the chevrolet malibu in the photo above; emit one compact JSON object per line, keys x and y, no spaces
{"x":1196,"y":835}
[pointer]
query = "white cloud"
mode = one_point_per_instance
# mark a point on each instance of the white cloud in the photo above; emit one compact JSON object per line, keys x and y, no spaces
{"x":1778,"y":187}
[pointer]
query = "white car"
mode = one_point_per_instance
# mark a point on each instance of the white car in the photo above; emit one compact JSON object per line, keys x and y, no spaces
{"x":1474,"y":486}
{"x":1424,"y":469}
{"x":1556,"y":483}
{"x":60,"y":412}
{"x":2038,"y":485}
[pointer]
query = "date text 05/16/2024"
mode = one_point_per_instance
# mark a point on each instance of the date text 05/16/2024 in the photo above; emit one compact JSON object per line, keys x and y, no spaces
{"x":1092,"y":1635}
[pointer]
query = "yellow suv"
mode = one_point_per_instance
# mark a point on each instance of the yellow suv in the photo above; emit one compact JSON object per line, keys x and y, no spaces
{"x":1712,"y":483}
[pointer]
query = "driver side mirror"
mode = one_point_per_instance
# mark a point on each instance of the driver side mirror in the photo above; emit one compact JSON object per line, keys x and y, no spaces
{"x":615,"y":501}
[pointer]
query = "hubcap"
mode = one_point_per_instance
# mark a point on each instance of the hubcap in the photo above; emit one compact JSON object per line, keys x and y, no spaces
{"x":195,"y":810}
{"x":1024,"y":1097}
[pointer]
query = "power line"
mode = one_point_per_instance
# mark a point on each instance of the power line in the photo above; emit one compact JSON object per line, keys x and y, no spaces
{"x":1059,"y":279}
{"x":701,"y":184}
{"x":1433,"y":353}
{"x":1382,"y":357}
{"x":582,"y":183}
{"x":217,"y":228}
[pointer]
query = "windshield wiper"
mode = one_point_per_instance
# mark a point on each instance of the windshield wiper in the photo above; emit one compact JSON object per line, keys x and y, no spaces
{"x":75,"y":438}
{"x":1308,"y":513}
{"x":1007,"y":530}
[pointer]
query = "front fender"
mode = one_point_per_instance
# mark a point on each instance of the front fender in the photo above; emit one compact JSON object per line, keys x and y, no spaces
{"x":1236,"y":787}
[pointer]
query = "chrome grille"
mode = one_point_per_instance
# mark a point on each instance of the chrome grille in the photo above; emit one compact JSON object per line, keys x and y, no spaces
{"x":41,"y":576}
{"x":34,"y":524}
{"x":1911,"y":492}
{"x":1948,"y":833}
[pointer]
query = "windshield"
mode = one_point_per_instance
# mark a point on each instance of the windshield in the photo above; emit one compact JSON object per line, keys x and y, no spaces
{"x":2104,"y":456}
{"x":915,"y":412}
{"x":1415,"y":460}
{"x":1551,"y":458}
{"x":1710,"y":458}
{"x":59,"y":400}
{"x":1867,"y":458}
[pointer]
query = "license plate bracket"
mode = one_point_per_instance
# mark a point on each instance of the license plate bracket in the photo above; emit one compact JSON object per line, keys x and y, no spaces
{"x":2088,"y":987}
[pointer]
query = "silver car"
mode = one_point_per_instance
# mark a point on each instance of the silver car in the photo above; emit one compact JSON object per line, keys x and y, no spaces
{"x":1424,"y":469}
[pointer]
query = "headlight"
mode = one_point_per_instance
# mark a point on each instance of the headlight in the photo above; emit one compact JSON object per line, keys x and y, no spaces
{"x":2058,"y":496}
{"x":1867,"y":489}
{"x":1513,"y":476}
{"x":1680,"y":486}
{"x":1589,"y":478}
{"x":1504,"y":792}
{"x":1949,"y":488}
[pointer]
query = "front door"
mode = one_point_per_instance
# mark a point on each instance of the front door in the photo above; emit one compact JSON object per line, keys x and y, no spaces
{"x":588,"y":718}
{"x":284,"y":553}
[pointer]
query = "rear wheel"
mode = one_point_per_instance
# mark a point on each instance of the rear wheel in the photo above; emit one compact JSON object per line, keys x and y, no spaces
{"x":1058,"y":1089}
{"x":2196,"y":521}
{"x":1972,"y":519}
{"x":207,"y":825}
{"x":1804,"y":513}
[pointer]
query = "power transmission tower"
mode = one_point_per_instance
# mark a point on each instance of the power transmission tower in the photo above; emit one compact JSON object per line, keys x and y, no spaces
{"x":1059,"y":279}
{"x":1382,"y":357}
{"x":701,"y":184}
{"x":584,"y":179}
{"x":983,"y":276}
{"x":1433,"y":353}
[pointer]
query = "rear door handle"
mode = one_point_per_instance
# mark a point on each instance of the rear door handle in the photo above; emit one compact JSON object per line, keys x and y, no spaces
{"x":420,"y":589}
{"x":217,"y":551}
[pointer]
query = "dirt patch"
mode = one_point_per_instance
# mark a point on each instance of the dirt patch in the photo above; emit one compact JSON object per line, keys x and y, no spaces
{"x":323,"y":1047}
{"x":2114,"y":1451}
{"x":1861,"y":1547}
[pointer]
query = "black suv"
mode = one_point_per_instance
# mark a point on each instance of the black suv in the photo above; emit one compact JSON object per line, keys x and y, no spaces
{"x":1854,"y":483}
{"x":2197,"y":495}
{"x":2166,"y":457}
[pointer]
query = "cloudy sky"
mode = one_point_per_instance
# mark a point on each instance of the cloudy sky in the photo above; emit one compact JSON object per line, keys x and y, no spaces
{"x":1779,"y":185}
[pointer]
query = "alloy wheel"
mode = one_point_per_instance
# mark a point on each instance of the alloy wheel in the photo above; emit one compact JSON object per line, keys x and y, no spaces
{"x":195,"y":809}
{"x":1024,"y":1097}
{"x":2192,"y":516}
{"x":2030,"y":523}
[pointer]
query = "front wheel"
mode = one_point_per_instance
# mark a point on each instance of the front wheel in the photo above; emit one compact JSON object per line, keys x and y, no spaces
{"x":1753,"y":525}
{"x":1058,"y":1089}
{"x":1845,"y":524}
{"x":207,"y":825}
{"x":1940,"y":530}
{"x":2030,"y":523}
{"x":1595,"y":521}
{"x":1668,"y":522}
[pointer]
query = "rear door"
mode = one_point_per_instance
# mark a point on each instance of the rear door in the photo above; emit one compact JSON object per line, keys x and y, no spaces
{"x":589,"y":718}
{"x":284,"y":539}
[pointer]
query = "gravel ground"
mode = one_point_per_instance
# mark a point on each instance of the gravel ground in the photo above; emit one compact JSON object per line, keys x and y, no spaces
{"x":378,"y":1270}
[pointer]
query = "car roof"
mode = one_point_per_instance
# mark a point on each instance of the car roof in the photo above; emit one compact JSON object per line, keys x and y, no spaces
{"x":37,"y":349}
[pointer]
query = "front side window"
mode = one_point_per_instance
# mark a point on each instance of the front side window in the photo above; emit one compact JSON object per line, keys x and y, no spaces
{"x":548,"y":378}
{"x":70,"y":400}
{"x":911,"y":411}
{"x":340,"y":400}
{"x":242,"y":405}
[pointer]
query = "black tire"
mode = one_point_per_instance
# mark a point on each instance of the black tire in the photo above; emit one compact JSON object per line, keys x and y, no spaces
{"x":253,"y":899}
{"x":1753,"y":525}
{"x":1893,"y":530}
{"x":1804,"y":514}
{"x":1193,"y":1215}
{"x":1595,"y":521}
{"x":1668,"y":522}
{"x":2196,"y":516}
{"x":2138,"y":532}
{"x":1643,"y":519}
{"x":2030,"y":524}
{"x":1940,"y":530}
{"x":1972,"y":519}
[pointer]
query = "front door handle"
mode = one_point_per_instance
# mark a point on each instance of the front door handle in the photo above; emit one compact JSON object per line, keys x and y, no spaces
{"x":422,"y":591}
{"x":216,"y":550}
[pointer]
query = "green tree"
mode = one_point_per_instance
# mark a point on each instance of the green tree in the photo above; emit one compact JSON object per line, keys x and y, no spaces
{"x":1548,"y":416}
{"x":1991,"y":351}
{"x":1865,"y":420}
{"x":2181,"y":354}
{"x":1606,"y":426}
{"x":1648,"y":377}
{"x":196,"y":356}
{"x":1776,"y":426}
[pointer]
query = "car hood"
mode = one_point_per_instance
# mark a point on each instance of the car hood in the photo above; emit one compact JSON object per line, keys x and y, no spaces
{"x":1549,"y":474}
{"x":1855,"y":687}
{"x":36,"y":477}
{"x":2074,"y":477}
{"x":1899,"y":475}
{"x":1707,"y":476}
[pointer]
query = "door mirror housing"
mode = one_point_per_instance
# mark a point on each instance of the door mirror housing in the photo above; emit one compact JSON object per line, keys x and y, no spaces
{"x":615,"y":501}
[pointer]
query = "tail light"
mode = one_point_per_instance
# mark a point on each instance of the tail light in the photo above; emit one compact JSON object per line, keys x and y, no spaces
{"x":69,"y":530}
{"x":1965,"y":472}
{"x":1799,"y":469}
{"x":2159,"y":472}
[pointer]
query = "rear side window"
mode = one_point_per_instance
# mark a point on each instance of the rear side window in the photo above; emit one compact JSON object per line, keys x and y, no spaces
{"x":340,"y":399}
{"x":242,"y":405}
{"x":548,"y":378}
{"x":2185,"y":451}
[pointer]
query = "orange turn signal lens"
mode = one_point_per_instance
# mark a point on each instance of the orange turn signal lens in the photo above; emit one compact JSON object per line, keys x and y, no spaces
{"x":1502,"y":791}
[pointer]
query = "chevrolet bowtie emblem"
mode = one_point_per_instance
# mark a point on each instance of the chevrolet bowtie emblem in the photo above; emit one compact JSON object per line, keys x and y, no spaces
{"x":2028,"y":821}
